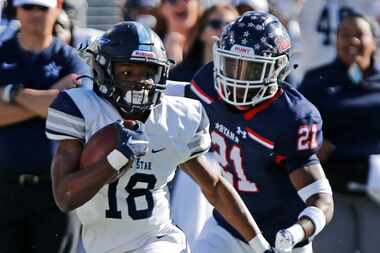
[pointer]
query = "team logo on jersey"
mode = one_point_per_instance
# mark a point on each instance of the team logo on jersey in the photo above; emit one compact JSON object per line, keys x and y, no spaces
{"x":227,"y":132}
{"x":157,"y":150}
{"x":142,"y":165}
{"x":52,"y":70}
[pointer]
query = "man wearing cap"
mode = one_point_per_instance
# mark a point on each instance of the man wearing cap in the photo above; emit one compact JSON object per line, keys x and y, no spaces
{"x":34,"y":67}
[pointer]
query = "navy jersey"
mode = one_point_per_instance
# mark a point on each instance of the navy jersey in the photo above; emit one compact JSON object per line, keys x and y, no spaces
{"x":350,"y":111}
{"x":258,"y":148}
{"x":26,"y":139}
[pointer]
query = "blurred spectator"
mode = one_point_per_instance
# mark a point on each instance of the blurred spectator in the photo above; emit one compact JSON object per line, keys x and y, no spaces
{"x":66,"y":30}
{"x":180,"y":17}
{"x":318,"y":23}
{"x":34,"y":66}
{"x":8,"y":22}
{"x":143,"y":11}
{"x":65,"y":27}
{"x":71,"y":21}
{"x":146,"y":12}
{"x":347,"y":93}
{"x":77,"y":11}
{"x":208,"y":28}
{"x":251,"y":5}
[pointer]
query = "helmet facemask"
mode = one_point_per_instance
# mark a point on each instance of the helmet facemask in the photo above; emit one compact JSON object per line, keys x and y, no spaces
{"x":134,"y":96}
{"x":244,"y":79}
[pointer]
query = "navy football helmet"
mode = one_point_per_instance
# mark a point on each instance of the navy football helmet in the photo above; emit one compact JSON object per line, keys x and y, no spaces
{"x":251,"y":56}
{"x":129,"y":42}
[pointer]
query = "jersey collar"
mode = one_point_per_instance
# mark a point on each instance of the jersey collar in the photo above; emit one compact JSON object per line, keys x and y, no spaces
{"x":248,"y":115}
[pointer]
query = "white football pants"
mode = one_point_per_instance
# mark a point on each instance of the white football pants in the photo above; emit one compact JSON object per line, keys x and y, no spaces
{"x":215,"y":239}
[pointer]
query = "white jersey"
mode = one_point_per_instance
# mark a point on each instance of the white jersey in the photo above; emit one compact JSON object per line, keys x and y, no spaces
{"x":319,"y":20}
{"x":122,"y":215}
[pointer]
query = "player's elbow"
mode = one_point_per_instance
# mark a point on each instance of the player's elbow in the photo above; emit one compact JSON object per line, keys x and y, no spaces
{"x":329,"y":209}
{"x":324,"y":202}
{"x":64,"y":201}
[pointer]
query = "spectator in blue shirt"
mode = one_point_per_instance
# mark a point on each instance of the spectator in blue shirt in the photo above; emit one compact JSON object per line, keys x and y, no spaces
{"x":34,"y":67}
{"x":347,"y":93}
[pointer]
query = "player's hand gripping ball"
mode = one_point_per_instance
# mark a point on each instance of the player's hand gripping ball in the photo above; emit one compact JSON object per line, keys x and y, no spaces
{"x":101,"y":144}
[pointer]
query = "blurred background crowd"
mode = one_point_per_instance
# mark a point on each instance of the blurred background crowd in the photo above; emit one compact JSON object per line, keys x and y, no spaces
{"x":188,"y":26}
{"x":335,"y":66}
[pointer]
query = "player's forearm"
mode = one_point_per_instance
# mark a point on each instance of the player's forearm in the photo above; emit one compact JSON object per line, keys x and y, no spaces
{"x":10,"y":114}
{"x":228,"y":202}
{"x":36,"y":101}
{"x":75,"y":189}
{"x":323,"y":202}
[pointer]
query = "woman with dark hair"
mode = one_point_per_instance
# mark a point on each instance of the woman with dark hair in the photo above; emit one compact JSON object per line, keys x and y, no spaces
{"x":176,"y":23}
{"x":209,"y":26}
{"x":347,"y":93}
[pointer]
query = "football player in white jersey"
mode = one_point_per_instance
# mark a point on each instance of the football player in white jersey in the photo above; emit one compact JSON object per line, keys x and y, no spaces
{"x":131,"y":214}
{"x":319,"y":20}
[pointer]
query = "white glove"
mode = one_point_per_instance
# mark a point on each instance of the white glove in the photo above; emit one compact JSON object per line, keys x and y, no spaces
{"x":287,"y":238}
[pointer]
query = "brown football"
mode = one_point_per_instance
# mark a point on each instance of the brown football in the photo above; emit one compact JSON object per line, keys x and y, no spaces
{"x":101,"y":144}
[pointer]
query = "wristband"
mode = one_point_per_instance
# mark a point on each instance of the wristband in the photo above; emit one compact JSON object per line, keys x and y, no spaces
{"x":6,"y":93}
{"x":320,"y":186}
{"x":297,"y":232}
{"x":259,"y":244}
{"x":10,"y":93}
{"x":117,"y":160}
{"x":317,"y":216}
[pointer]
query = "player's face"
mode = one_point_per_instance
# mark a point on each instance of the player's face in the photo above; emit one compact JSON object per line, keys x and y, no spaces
{"x":134,"y":76}
{"x":245,"y":71}
{"x":136,"y":80}
{"x":355,"y":41}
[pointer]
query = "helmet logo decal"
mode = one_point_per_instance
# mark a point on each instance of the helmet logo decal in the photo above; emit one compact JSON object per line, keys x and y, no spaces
{"x":103,"y":41}
{"x":242,"y":50}
{"x":139,"y":53}
{"x":282,"y":43}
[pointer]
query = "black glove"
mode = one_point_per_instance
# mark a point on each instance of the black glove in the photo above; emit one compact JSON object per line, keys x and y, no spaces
{"x":132,"y":143}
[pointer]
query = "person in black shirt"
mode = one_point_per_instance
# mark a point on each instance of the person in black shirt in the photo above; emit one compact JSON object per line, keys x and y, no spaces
{"x":347,"y":93}
{"x":34,"y":67}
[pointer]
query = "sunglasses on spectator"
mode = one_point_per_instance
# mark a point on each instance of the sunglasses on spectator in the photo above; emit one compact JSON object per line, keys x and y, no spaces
{"x":29,"y":7}
{"x":217,"y":24}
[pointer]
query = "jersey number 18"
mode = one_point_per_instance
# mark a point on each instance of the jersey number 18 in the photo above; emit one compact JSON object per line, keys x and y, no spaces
{"x":134,"y":192}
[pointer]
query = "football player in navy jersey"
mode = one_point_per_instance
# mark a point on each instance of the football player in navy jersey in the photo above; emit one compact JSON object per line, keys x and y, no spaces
{"x":265,"y":136}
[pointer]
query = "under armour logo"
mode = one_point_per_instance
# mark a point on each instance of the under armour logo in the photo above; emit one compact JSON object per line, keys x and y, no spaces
{"x":241,"y":132}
